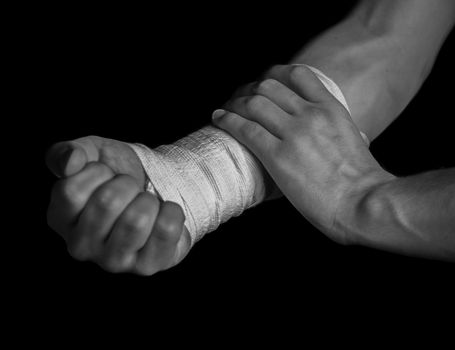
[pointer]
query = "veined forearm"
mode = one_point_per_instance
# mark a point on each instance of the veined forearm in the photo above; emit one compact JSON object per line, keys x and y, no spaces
{"x":413,"y":215}
{"x":377,"y":58}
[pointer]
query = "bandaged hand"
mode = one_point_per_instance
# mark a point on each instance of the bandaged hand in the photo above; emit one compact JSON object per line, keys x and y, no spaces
{"x":306,"y":140}
{"x":100,"y":208}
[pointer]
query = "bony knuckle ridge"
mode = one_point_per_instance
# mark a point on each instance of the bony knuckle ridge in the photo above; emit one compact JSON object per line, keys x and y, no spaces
{"x":265,"y":85}
{"x":140,"y":222}
{"x":71,"y":193}
{"x":296,"y":72}
{"x":108,"y":199}
{"x":134,"y":222}
{"x":171,"y":230}
{"x":255,"y":103}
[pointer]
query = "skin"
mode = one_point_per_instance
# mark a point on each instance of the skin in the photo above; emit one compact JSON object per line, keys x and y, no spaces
{"x":376,"y":58}
{"x":99,"y":207}
{"x":310,"y":146}
{"x":101,"y":210}
{"x":306,"y":140}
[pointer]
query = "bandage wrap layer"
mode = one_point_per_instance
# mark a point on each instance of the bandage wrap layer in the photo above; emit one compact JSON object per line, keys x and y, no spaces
{"x":209,"y":174}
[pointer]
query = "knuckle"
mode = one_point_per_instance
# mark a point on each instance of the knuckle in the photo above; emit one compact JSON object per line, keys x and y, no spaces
{"x":170,"y":230}
{"x":255,"y":103}
{"x":129,"y":228}
{"x":108,"y":199}
{"x":71,"y":192}
{"x":142,"y":222}
{"x":126,"y":260}
{"x":296,"y":102}
{"x":297,"y":72}
{"x":173,"y":229}
{"x":135,"y":221}
{"x":265,"y":85}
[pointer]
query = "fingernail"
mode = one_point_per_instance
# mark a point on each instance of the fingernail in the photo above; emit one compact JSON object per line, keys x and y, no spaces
{"x":64,"y":158}
{"x":218,"y":113}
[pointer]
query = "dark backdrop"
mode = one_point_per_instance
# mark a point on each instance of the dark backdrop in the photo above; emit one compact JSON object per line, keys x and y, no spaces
{"x":154,"y":75}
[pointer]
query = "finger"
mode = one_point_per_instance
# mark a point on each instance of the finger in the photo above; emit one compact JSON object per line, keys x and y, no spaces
{"x":101,"y":211}
{"x":276,"y":92}
{"x":65,"y":159}
{"x":302,"y":81}
{"x":69,"y":195}
{"x":261,"y":110}
{"x":160,"y":250}
{"x":69,"y":157}
{"x":131,"y":231}
{"x":251,"y":134}
{"x":183,"y":245}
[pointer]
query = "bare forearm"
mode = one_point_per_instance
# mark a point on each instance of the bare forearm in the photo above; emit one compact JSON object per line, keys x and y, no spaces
{"x":413,"y":215}
{"x":380,"y":55}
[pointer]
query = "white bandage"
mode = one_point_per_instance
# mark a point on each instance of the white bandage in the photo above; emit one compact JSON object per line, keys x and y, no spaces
{"x":209,"y":174}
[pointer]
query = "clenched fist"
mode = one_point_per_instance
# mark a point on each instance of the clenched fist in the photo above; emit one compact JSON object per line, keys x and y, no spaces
{"x":101,"y":210}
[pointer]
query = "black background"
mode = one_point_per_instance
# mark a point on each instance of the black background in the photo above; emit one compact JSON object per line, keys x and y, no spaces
{"x":153,"y":75}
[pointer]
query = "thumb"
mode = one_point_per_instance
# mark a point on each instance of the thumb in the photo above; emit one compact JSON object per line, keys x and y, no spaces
{"x":66,"y":158}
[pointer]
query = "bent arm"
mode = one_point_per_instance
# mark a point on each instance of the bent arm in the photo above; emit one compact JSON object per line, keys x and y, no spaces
{"x":412,"y":215}
{"x":354,"y":67}
{"x":380,"y":55}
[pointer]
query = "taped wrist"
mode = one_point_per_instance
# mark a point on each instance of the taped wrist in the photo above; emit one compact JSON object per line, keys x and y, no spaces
{"x":209,"y":174}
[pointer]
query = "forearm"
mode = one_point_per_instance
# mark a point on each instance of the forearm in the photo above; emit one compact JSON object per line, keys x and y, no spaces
{"x":211,"y":175}
{"x":413,"y":215}
{"x":380,"y":55}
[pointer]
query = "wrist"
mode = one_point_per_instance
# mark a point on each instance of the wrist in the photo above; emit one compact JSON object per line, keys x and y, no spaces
{"x":356,"y":207}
